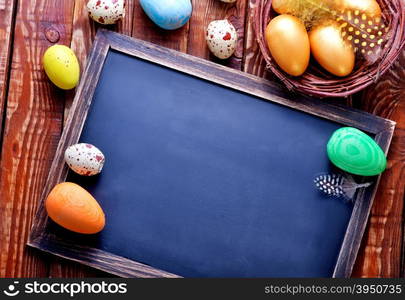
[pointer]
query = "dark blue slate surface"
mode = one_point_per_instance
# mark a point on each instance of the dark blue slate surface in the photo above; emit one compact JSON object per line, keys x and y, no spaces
{"x":204,"y":181}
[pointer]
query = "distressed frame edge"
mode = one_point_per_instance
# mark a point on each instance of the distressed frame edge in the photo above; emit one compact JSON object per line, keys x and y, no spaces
{"x":54,"y":176}
{"x":352,"y":242}
{"x":105,"y":40}
{"x":106,"y":261}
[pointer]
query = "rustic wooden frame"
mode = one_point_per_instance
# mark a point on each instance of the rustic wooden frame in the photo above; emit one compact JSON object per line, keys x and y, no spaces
{"x":40,"y":238}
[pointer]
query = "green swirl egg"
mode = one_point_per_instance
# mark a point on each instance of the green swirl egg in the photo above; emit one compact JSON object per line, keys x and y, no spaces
{"x":355,"y":152}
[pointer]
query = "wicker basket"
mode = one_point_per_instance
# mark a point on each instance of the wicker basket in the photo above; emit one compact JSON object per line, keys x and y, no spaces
{"x":317,"y":82}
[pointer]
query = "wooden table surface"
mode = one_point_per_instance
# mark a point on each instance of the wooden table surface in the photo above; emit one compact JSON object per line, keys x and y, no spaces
{"x":32,"y":113}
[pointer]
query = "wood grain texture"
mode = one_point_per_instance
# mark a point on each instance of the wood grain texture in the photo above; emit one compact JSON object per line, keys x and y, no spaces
{"x":7,"y":9}
{"x":382,"y":247}
{"x":32,"y":130}
{"x":62,"y":268}
{"x":206,"y":11}
{"x":127,"y":24}
{"x":92,"y":257}
{"x":83,"y":33}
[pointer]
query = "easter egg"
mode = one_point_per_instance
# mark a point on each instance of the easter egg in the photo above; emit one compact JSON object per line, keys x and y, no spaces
{"x":369,"y":7}
{"x":61,"y":66}
{"x":281,"y":6}
{"x":84,"y":159}
{"x":331,"y":51}
{"x":355,"y":152}
{"x":106,"y":11}
{"x":168,"y":14}
{"x":288,"y":43}
{"x":72,"y":207}
{"x":221,"y":37}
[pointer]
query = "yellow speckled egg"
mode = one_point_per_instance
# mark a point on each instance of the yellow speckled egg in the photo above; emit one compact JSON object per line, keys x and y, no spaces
{"x":288,"y":43}
{"x":61,"y":66}
{"x":331,"y":51}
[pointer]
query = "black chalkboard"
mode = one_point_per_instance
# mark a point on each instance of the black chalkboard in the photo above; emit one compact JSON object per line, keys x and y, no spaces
{"x":203,"y":180}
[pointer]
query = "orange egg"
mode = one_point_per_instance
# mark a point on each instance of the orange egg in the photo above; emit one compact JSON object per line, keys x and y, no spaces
{"x":73,"y":208}
{"x":330,"y":50}
{"x":369,"y":7}
{"x":288,"y":43}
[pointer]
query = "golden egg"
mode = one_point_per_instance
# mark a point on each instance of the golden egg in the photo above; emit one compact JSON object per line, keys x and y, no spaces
{"x":280,"y":6}
{"x":288,"y":43}
{"x":331,"y":51}
{"x":368,"y":7}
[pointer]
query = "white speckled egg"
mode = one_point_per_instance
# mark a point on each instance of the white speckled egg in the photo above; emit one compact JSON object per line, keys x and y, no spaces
{"x":84,"y":159}
{"x":106,"y":11}
{"x":221,"y":38}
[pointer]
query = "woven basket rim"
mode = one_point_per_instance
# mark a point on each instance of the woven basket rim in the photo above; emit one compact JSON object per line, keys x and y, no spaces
{"x":310,"y":83}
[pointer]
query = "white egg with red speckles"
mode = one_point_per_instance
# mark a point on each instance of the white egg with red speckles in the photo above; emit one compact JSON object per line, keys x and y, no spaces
{"x":106,"y":11}
{"x":84,"y":159}
{"x":221,"y":38}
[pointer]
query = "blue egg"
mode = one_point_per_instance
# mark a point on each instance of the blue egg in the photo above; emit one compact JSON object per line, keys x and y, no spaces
{"x":168,"y":14}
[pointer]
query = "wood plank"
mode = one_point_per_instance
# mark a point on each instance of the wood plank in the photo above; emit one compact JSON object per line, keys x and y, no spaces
{"x":84,"y":31}
{"x":7,"y":10}
{"x":126,"y":25}
{"x":206,"y":11}
{"x":382,"y":249}
{"x":145,"y":29}
{"x":32,"y":129}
